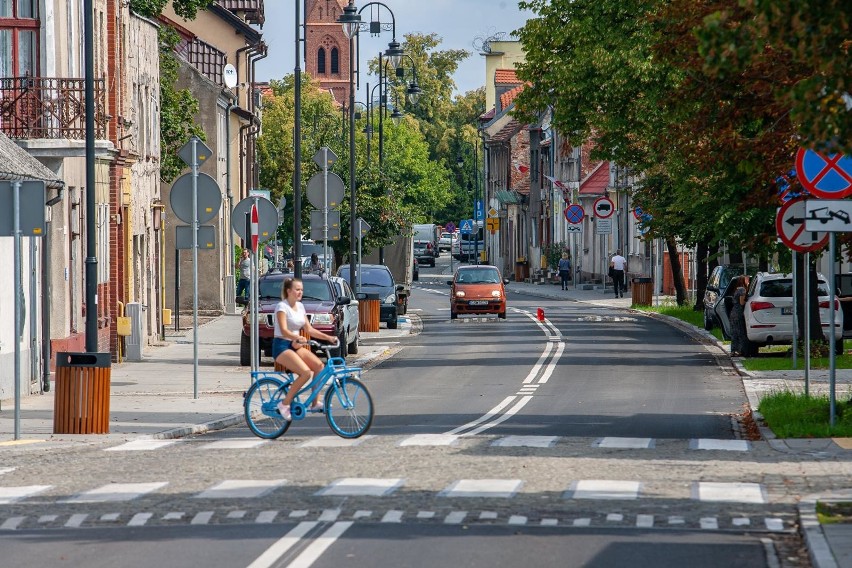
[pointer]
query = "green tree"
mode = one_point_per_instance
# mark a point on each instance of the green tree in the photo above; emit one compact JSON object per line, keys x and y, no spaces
{"x":183,"y":8}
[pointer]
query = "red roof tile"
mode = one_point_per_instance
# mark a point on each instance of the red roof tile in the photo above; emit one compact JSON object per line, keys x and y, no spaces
{"x":509,"y":96}
{"x":597,"y":181}
{"x":503,"y":76}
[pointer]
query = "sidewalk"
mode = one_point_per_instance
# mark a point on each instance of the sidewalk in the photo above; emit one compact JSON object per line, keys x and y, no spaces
{"x":155,"y":397}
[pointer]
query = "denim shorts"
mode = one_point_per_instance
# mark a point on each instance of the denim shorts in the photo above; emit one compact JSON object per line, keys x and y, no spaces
{"x":279,"y":346}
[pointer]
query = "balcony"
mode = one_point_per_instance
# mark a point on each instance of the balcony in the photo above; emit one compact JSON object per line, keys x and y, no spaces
{"x":42,"y":108}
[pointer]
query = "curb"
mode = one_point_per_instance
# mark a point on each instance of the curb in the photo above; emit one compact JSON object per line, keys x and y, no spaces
{"x":819,"y":550}
{"x":211,"y":426}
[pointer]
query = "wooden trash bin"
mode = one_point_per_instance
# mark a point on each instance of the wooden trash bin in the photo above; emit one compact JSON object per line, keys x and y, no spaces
{"x":369,"y":314}
{"x":81,"y":402}
{"x":642,"y":292}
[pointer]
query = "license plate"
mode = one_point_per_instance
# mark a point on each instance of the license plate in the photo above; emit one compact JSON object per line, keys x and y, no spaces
{"x":787,"y":311}
{"x":478,"y":303}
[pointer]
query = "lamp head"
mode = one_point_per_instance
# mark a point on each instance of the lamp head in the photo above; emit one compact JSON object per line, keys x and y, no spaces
{"x":394,"y":53}
{"x":396,"y":116}
{"x":350,"y":20}
{"x":414,"y":91}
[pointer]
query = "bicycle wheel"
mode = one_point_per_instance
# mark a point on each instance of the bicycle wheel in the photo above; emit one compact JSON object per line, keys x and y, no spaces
{"x":348,"y":408}
{"x":261,"y":402}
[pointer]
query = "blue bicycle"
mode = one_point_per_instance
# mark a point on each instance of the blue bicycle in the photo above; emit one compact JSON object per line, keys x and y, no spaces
{"x":348,"y":404}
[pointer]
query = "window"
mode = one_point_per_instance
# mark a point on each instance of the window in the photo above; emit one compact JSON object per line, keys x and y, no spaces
{"x":321,"y":60}
{"x":335,"y":61}
{"x":19,"y":27}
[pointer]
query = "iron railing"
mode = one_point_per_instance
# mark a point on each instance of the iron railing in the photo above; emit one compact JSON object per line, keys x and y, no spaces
{"x":39,"y":107}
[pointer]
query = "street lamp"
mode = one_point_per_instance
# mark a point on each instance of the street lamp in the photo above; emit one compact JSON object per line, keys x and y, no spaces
{"x":352,"y":25}
{"x":460,"y":162}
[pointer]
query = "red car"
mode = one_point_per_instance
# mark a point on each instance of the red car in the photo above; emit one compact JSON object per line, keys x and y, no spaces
{"x":323,"y":305}
{"x":477,"y":290}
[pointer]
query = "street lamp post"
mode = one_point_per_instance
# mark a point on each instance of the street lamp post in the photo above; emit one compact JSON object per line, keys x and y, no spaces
{"x":352,"y":25}
{"x":460,"y":162}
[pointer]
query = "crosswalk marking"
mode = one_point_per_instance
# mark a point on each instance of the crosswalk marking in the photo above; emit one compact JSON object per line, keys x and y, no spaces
{"x":676,"y":520}
{"x":139,"y":519}
{"x":644,"y":521}
{"x":624,"y":443}
{"x":709,"y":523}
{"x":74,"y":521}
{"x":741,"y":522}
{"x":549,"y":522}
{"x":110,"y":517}
{"x":11,"y":523}
{"x":525,"y":441}
{"x":6,"y":470}
{"x":614,"y":517}
{"x":392,"y":517}
{"x":517,"y":520}
{"x":775,"y":525}
{"x":483,"y":488}
{"x":372,"y":487}
{"x":329,"y":515}
{"x":362,"y":514}
{"x":298,"y":514}
{"x":266,"y":517}
{"x":234,"y":444}
{"x":173,"y":516}
{"x":430,"y":440}
{"x":47,"y":519}
{"x":237,"y":514}
{"x":202,"y":518}
{"x":333,"y":442}
{"x":455,"y":517}
{"x":728,"y":492}
{"x":488,"y":515}
{"x":723,"y":445}
{"x":11,"y":494}
{"x":142,"y":445}
{"x":584,"y":522}
{"x":241,"y":489}
{"x":425,"y":514}
{"x":604,"y":489}
{"x":115,"y":492}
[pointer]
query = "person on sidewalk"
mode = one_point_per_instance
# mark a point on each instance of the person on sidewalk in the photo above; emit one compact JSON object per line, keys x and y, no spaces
{"x":739,"y":335}
{"x":618,"y":264}
{"x":564,"y":268}
{"x":289,"y":348}
{"x":244,"y":265}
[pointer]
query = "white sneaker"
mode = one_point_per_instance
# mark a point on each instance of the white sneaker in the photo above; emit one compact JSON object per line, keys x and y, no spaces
{"x":285,"y":411}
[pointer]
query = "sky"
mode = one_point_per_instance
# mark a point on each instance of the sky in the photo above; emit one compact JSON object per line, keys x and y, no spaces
{"x":462,"y":24}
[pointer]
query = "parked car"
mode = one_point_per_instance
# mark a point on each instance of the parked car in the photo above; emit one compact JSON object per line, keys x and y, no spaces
{"x":376,"y":279}
{"x":477,"y":290}
{"x":351,"y":315}
{"x":423,"y":252}
{"x":415,"y":271}
{"x":769,"y":310}
{"x":446,"y":241}
{"x":326,"y":262}
{"x":718,"y":281}
{"x":324,"y":307}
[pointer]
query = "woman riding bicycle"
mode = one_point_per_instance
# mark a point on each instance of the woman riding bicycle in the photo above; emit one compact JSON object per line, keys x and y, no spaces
{"x":289,"y":348}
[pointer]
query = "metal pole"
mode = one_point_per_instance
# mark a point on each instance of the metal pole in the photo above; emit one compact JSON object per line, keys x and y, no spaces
{"x":807,"y":345}
{"x":253,"y":292}
{"x":360,"y":237}
{"x":33,"y":311}
{"x":352,"y":188}
{"x":831,"y":332}
{"x":297,"y":154}
{"x":91,"y":240}
{"x":795,"y":313}
{"x":475,"y":202}
{"x":194,"y":140}
{"x":325,"y":205}
{"x":16,"y":214}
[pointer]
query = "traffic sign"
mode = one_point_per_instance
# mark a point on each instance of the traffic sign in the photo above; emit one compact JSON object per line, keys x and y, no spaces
{"x":450,"y":227}
{"x":466,"y":226}
{"x":790,"y":225}
{"x":573,"y":229}
{"x":31,"y":219}
{"x":492,"y":224}
{"x":574,"y":214}
{"x":206,"y":237}
{"x":604,"y":207}
{"x":478,"y":210}
{"x":254,"y":228}
{"x":202,"y":152}
{"x":267,"y":218}
{"x":209,"y":198}
{"x":603,"y":227}
{"x":829,"y":176}
{"x":832,"y":215}
{"x":324,"y":154}
{"x":316,"y":194}
{"x":637,"y":213}
{"x":492,"y":212}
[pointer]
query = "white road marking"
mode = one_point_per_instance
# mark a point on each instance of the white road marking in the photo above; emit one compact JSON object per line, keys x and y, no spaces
{"x":373,"y":487}
{"x":426,"y":514}
{"x":116,"y":492}
{"x":430,"y":440}
{"x":487,"y":416}
{"x":775,"y":525}
{"x":202,"y":518}
{"x":548,"y":372}
{"x":47,"y":518}
{"x":74,"y":521}
{"x":488,"y":515}
{"x":362,"y":514}
{"x":333,"y":442}
{"x":502,"y":418}
{"x":110,"y":517}
{"x":455,"y":518}
{"x":266,"y":517}
{"x":709,"y":523}
{"x":584,"y":522}
{"x":614,"y":517}
{"x":174,"y":516}
{"x":505,"y":488}
{"x":624,"y":443}
{"x":299,"y":513}
{"x":6,"y":470}
{"x":728,"y":492}
{"x":139,"y":519}
{"x":329,"y":515}
{"x":234,"y":444}
{"x":12,"y":494}
{"x":141,"y":445}
{"x":526,"y":441}
{"x":741,"y":522}
{"x":11,"y":523}
{"x":723,"y":445}
{"x":237,"y":515}
{"x":241,"y":489}
{"x":675,"y":520}
{"x":517,"y":520}
{"x":549,"y":522}
{"x":272,"y":554}
{"x":604,"y":489}
{"x":392,"y":516}
{"x":645,"y":521}
{"x":314,"y":550}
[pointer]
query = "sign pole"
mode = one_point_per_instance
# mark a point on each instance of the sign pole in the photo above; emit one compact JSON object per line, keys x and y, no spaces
{"x":807,"y":346}
{"x":194,"y":142}
{"x":16,"y":228}
{"x":254,"y":297}
{"x":325,"y":203}
{"x":795,"y":313}
{"x":831,"y":332}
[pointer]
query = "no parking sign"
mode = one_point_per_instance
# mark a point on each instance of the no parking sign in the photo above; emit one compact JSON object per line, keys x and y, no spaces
{"x":829,"y":177}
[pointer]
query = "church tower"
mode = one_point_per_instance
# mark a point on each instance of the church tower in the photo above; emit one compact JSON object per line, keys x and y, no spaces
{"x":326,"y":47}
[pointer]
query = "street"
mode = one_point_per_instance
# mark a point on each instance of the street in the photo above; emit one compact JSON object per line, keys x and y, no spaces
{"x":598,"y":437}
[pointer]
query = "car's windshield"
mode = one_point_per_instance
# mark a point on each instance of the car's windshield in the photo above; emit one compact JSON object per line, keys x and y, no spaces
{"x":307,"y":249}
{"x":478,"y":276}
{"x":370,"y":276}
{"x":317,"y":290}
{"x":783,"y":288}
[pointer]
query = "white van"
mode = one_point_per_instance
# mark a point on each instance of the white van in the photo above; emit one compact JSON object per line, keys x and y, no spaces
{"x":429,"y":233}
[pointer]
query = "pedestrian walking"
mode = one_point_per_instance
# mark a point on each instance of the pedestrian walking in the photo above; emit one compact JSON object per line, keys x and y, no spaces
{"x":739,"y":335}
{"x":564,"y":268}
{"x":244,"y":265}
{"x":617,"y":266}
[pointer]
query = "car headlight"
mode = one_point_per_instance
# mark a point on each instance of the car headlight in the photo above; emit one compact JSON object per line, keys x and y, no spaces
{"x":391,"y":299}
{"x":324,"y":319}
{"x":495,"y":293}
{"x":460,"y":294}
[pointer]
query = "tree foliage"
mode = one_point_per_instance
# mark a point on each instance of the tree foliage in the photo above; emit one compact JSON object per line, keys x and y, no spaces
{"x":184,"y":8}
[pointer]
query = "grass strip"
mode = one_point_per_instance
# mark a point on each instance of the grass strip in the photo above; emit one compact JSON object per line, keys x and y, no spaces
{"x":794,"y":415}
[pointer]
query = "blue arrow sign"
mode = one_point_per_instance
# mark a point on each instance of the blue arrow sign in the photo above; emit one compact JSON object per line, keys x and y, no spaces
{"x":478,"y":210}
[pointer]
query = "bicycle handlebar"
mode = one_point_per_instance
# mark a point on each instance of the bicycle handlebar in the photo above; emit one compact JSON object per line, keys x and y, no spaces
{"x":324,"y":346}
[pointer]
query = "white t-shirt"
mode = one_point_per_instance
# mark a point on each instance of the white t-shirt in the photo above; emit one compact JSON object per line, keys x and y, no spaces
{"x":619,"y":262}
{"x":295,"y":317}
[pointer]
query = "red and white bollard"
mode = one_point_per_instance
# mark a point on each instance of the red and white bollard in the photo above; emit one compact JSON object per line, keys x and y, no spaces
{"x":540,"y":314}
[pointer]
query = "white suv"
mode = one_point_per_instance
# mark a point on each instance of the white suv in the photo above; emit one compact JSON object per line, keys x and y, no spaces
{"x":769,"y":310}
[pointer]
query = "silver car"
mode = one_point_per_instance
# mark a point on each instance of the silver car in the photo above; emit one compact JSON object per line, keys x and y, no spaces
{"x":350,"y":314}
